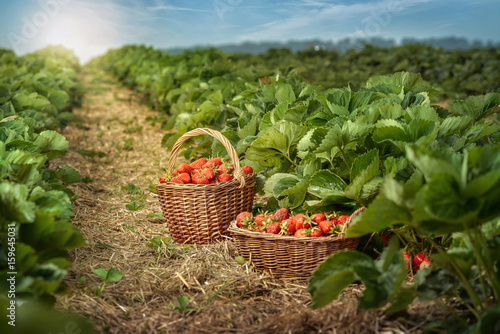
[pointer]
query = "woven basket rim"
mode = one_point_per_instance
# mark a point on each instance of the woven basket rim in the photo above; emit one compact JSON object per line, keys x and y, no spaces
{"x":233,"y":228}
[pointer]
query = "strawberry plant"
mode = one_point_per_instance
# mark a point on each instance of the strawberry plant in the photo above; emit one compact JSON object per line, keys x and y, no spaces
{"x":449,"y":192}
{"x":37,"y":92}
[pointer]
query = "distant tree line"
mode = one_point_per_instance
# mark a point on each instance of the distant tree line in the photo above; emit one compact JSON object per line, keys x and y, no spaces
{"x":343,"y":45}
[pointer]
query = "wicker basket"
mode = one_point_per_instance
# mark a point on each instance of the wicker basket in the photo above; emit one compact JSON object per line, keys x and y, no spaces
{"x":288,"y":256}
{"x":201,"y":214}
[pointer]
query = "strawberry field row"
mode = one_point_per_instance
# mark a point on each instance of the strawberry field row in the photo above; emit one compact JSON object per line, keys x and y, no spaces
{"x":428,"y":176}
{"x":37,"y":92}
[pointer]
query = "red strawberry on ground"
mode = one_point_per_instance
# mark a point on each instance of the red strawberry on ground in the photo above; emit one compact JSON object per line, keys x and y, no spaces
{"x":247,"y":170}
{"x":316,"y":232}
{"x":417,"y":261}
{"x":301,"y":233}
{"x":318,"y":217}
{"x":212,"y":163}
{"x":273,"y":228}
{"x":281,"y":214}
{"x":224,"y":178}
{"x":198,"y":163}
{"x":326,"y":226}
{"x":287,"y":227}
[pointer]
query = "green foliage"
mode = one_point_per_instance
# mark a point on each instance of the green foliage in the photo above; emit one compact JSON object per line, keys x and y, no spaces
{"x":182,"y":305}
{"x":37,"y":92}
{"x":449,"y":193}
{"x":112,"y":275}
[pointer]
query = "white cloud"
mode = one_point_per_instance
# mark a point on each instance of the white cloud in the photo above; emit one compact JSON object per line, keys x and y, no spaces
{"x":305,"y":19}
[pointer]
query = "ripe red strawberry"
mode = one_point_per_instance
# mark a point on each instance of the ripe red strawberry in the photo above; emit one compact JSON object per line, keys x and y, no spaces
{"x":301,"y":233}
{"x":224,"y":177}
{"x":184,"y":168}
{"x":318,"y":217}
{"x":197,"y":179}
{"x":162,"y":180}
{"x":273,"y":228}
{"x":247,"y":170}
{"x":243,"y":218}
{"x":212,"y":182}
{"x":326,"y":226}
{"x":342,"y":219}
{"x":259,"y":219}
{"x":299,"y":220}
{"x":175,"y":173}
{"x":417,"y":261}
{"x":407,"y":259}
{"x":385,"y":239}
{"x":176,"y":180}
{"x":208,"y":173}
{"x":212,"y":163}
{"x":316,"y":232}
{"x":287,"y":227}
{"x":281,"y":214}
{"x":225,"y":169}
{"x":184,"y":177}
{"x":198,"y":163}
{"x":425,"y":264}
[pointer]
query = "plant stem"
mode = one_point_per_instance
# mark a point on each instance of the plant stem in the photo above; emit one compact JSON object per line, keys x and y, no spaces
{"x":480,"y":264}
{"x":460,"y":276}
{"x":489,"y":268}
{"x":345,"y":158}
{"x":288,"y":158}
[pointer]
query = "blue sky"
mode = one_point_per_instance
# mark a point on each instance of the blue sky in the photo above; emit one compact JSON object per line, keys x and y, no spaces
{"x":93,"y":26}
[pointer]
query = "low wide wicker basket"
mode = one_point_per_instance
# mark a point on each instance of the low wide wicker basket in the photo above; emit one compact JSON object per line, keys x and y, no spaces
{"x":288,"y":256}
{"x":201,"y":214}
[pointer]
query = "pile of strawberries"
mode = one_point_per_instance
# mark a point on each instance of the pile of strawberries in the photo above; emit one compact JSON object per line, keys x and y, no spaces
{"x":202,"y":171}
{"x":300,"y":225}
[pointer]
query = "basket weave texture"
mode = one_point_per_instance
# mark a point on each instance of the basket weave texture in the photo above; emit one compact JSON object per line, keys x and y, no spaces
{"x":288,"y":256}
{"x":201,"y":214}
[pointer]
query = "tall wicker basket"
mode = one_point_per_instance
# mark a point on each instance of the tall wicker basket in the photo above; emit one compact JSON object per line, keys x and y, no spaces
{"x":201,"y":214}
{"x":288,"y":256}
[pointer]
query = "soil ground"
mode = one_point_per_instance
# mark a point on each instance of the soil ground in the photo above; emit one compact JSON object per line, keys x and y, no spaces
{"x":116,"y":146}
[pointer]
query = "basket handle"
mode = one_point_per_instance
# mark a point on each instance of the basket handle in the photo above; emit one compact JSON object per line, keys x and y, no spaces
{"x":238,"y":172}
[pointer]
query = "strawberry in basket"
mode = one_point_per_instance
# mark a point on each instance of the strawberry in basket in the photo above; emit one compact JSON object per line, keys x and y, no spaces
{"x":203,"y":171}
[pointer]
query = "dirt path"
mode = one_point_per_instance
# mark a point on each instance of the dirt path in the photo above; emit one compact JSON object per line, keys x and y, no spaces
{"x":119,"y":149}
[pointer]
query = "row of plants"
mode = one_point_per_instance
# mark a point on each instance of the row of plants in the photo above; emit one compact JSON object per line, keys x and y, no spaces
{"x":426,"y":174}
{"x":37,"y":94}
{"x":456,"y":73}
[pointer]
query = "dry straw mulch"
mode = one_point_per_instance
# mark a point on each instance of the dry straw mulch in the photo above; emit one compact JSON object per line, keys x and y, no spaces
{"x":223,"y":296}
